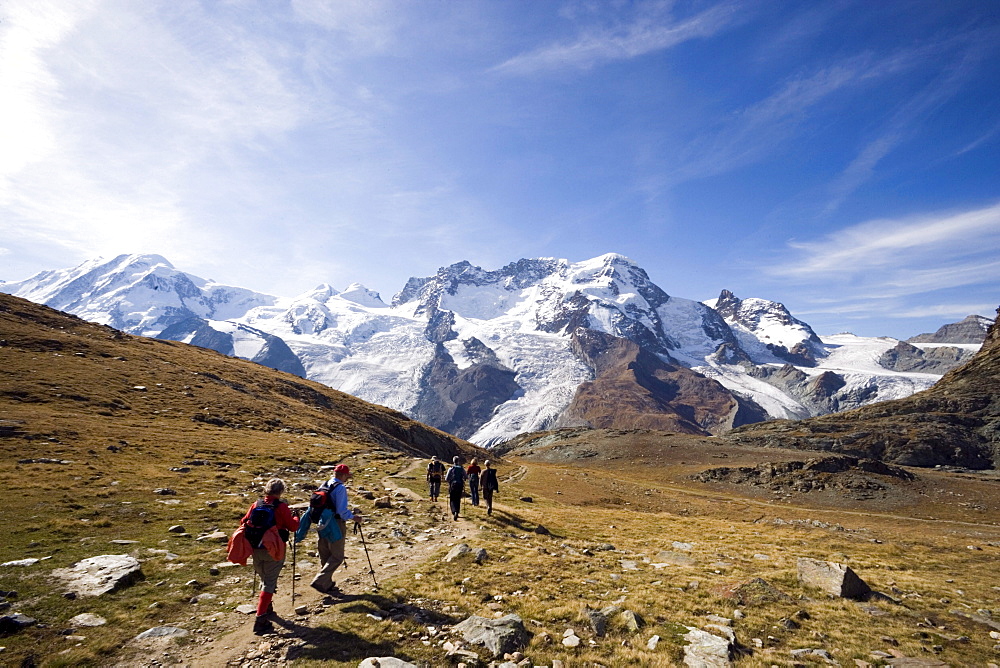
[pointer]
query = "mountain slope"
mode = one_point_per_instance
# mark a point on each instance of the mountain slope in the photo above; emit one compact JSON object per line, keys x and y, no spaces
{"x":956,"y":422}
{"x":65,"y":379}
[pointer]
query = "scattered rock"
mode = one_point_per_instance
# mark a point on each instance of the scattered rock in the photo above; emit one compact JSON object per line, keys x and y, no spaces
{"x":652,"y":642}
{"x":542,"y":530}
{"x":101,"y":574}
{"x":217,"y":536}
{"x":526,"y":499}
{"x":820,"y":653}
{"x":21,"y":562}
{"x":499,"y":636}
{"x":246,"y":609}
{"x":705,"y":650}
{"x":88,"y":619}
{"x":633,"y":621}
{"x":302,"y":610}
{"x":177,"y":528}
{"x":833,"y":578}
{"x":14,"y":623}
{"x":385,"y":662}
{"x":383,"y":502}
{"x":158,"y":632}
{"x":481,"y":555}
{"x":164,"y":491}
{"x":598,"y":622}
{"x":459,"y":550}
{"x":571,"y":640}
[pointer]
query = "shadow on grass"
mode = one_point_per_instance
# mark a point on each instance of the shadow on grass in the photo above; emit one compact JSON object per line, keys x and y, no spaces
{"x":508,"y":519}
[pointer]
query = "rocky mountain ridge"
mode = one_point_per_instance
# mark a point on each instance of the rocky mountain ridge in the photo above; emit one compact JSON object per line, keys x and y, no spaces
{"x":487,"y":354}
{"x":956,"y":422}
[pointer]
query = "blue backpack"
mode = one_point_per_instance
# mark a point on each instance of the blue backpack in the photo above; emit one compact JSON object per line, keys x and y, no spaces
{"x":261,"y":519}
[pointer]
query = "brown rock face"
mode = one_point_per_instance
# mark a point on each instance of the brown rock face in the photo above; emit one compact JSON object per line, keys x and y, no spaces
{"x":635,"y":389}
{"x":956,"y":422}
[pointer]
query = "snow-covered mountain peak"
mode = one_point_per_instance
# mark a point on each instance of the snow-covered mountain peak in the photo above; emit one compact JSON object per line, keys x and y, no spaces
{"x":359,"y":294}
{"x":322,"y":293}
{"x":759,"y":322}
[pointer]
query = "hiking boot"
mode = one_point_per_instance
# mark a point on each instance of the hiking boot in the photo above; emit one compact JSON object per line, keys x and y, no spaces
{"x":261,"y":626}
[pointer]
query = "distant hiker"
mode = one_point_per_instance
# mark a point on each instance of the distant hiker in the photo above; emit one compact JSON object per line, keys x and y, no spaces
{"x":489,"y":482}
{"x":473,"y":474}
{"x":328,"y":510}
{"x":266,"y":527}
{"x":435,"y":471}
{"x":456,"y":486}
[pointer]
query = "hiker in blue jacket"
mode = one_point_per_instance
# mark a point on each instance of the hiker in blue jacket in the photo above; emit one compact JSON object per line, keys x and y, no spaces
{"x":332,"y":528}
{"x":456,"y":486}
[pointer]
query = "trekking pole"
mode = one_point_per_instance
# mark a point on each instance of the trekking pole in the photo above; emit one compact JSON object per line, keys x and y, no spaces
{"x":294,"y":547}
{"x":371,"y":569}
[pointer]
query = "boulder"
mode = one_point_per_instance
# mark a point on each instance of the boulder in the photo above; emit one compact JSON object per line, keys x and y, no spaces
{"x":20,"y":562}
{"x":499,"y":636}
{"x":459,"y":550}
{"x":14,"y":623}
{"x":705,"y":650}
{"x":833,"y":578}
{"x":481,"y":555}
{"x":101,"y":574}
{"x":598,"y":622}
{"x":633,"y":621}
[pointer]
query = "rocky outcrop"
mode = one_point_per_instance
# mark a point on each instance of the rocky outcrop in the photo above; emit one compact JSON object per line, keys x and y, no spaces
{"x":972,"y":329}
{"x":956,"y":422}
{"x":459,"y":401}
{"x":906,"y":357}
{"x":635,"y":389}
{"x":848,"y":476}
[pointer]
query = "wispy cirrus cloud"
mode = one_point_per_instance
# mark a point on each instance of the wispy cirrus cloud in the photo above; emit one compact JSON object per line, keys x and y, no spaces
{"x":906,"y":121}
{"x":646,"y":33}
{"x":897,"y":258}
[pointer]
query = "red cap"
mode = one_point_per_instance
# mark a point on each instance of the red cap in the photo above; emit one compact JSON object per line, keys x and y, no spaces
{"x":342,"y":468}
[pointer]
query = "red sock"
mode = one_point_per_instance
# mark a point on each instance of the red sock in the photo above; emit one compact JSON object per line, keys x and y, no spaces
{"x":263,"y":602}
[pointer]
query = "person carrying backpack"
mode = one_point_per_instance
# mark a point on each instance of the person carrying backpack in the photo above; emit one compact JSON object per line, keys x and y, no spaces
{"x":266,"y":526}
{"x":456,"y":486}
{"x":435,"y":471}
{"x":490,"y":485}
{"x":328,"y":510}
{"x":473,"y":474}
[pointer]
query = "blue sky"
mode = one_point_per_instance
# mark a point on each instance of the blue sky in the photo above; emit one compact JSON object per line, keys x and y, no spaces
{"x":840,"y":157}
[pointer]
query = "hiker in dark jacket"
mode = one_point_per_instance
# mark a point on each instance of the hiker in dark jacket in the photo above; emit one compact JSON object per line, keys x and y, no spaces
{"x":269,"y":548}
{"x":456,"y":486}
{"x":435,"y":470}
{"x":489,"y":482}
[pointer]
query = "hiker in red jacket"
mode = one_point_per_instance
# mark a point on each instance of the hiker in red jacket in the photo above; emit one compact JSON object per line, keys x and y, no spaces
{"x":266,"y":526}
